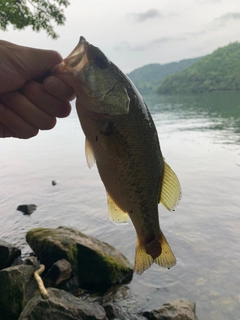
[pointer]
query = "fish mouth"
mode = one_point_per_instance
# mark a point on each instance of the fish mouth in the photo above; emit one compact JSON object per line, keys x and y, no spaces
{"x":75,"y":58}
{"x":75,"y":62}
{"x":77,"y":55}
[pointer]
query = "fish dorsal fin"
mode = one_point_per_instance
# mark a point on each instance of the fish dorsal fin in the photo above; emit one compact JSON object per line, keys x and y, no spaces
{"x":166,"y":258}
{"x":116,"y":214}
{"x":171,"y":192}
{"x":89,"y":154}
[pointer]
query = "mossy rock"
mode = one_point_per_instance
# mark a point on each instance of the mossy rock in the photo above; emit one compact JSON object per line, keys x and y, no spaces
{"x":17,"y":286}
{"x":96,"y":264}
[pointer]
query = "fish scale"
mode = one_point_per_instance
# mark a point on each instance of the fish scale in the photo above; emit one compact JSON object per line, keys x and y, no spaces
{"x":122,"y":139}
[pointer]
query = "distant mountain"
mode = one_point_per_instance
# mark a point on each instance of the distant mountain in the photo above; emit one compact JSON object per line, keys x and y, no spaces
{"x":219,"y":71}
{"x":148,"y":78}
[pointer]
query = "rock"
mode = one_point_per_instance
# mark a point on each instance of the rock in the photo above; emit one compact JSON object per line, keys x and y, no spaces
{"x":119,"y":303}
{"x":60,"y":273}
{"x":27,"y":209}
{"x":8,"y":253}
{"x":17,"y":286}
{"x":96,"y":264}
{"x":72,"y":286}
{"x":61,"y":305}
{"x":182,"y":309}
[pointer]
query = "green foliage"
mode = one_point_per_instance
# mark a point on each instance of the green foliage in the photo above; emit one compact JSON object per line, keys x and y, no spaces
{"x":219,"y":71}
{"x":36,"y":13}
{"x":148,"y":78}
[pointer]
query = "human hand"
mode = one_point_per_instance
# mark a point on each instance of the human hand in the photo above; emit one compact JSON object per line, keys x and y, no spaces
{"x":30,"y":99}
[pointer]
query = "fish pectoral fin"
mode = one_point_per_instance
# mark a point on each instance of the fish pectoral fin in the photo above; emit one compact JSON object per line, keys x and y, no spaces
{"x":171,"y":192}
{"x":89,"y":154}
{"x":166,"y":258}
{"x":116,"y":214}
{"x":143,"y":261}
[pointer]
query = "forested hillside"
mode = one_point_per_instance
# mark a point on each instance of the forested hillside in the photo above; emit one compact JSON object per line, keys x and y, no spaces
{"x":148,"y":78}
{"x":219,"y":71}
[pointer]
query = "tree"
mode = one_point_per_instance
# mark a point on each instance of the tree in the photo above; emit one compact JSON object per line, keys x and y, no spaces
{"x":36,"y":13}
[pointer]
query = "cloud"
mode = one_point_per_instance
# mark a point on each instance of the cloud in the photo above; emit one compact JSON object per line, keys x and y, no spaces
{"x":149,"y":14}
{"x":172,"y":14}
{"x":164,"y":40}
{"x":196,"y":33}
{"x":207,"y":1}
{"x":230,"y":16}
{"x":125,"y":45}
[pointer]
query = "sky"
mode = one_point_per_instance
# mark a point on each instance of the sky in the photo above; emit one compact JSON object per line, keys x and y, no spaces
{"x":134,"y":33}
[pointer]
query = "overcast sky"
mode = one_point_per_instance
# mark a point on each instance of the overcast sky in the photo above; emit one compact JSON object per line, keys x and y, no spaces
{"x":137,"y":32}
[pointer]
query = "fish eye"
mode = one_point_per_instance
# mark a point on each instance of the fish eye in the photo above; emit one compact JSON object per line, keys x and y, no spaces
{"x":101,"y":62}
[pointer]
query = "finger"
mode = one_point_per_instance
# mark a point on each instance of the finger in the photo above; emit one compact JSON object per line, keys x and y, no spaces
{"x":13,"y":122}
{"x":36,"y":93}
{"x":38,"y":61}
{"x":58,"y":88}
{"x":20,"y":105}
{"x":6,"y":132}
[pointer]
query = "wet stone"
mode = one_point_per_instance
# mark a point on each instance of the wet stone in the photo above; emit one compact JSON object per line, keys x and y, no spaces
{"x":8,"y":253}
{"x":96,"y":264}
{"x":182,"y":309}
{"x":17,"y":286}
{"x":60,"y":273}
{"x":61,"y":305}
{"x":27,"y":209}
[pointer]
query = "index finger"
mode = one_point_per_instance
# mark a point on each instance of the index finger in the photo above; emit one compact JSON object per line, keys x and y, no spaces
{"x":58,"y":88}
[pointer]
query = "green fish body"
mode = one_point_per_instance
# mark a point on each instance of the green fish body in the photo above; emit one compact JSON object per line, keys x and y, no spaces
{"x":122,"y":139}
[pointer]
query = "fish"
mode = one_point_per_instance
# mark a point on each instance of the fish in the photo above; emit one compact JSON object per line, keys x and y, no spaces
{"x":121,"y":138}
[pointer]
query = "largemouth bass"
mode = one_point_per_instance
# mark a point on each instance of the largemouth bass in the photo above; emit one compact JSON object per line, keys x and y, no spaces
{"x":122,"y":139}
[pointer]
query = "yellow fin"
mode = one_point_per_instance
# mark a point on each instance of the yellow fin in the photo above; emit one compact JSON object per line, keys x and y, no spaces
{"x":166,"y":258}
{"x":116,"y":214}
{"x":143,"y":261}
{"x":171,"y":192}
{"x":89,"y":154}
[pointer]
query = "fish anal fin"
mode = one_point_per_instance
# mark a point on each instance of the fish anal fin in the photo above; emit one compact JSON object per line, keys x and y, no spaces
{"x":116,"y":214}
{"x":171,"y":192}
{"x":143,"y":261}
{"x":166,"y":258}
{"x":89,"y":154}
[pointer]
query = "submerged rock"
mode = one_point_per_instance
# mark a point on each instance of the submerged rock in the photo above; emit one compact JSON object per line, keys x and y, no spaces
{"x":96,"y":264}
{"x":119,"y":303}
{"x":17,"y":286}
{"x":27,"y":209}
{"x":61,"y":305}
{"x":8,"y":253}
{"x":182,"y":309}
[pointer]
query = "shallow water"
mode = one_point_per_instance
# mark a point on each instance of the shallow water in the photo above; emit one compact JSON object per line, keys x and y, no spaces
{"x":200,"y":139}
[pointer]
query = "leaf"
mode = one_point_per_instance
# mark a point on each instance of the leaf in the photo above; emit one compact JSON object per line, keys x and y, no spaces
{"x":39,"y":14}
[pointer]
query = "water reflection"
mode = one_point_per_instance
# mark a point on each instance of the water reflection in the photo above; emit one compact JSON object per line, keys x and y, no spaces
{"x":195,"y":133}
{"x":219,"y":112}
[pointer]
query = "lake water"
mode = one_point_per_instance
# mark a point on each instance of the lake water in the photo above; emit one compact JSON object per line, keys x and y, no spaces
{"x":200,"y":139}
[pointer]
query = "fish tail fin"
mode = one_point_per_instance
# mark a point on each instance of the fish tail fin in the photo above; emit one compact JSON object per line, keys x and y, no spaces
{"x":143,"y":261}
{"x":166,"y":258}
{"x":156,"y":251}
